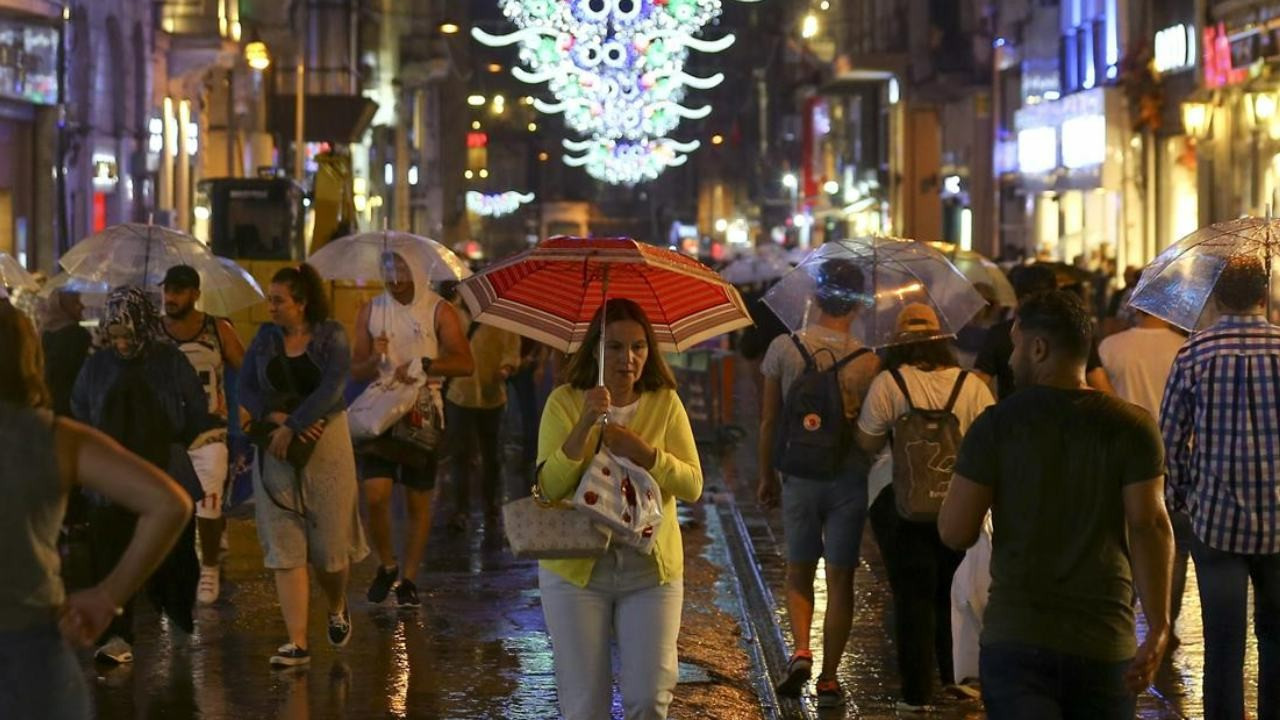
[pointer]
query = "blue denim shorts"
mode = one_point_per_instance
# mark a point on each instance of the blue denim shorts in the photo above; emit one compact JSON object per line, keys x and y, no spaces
{"x":824,"y":518}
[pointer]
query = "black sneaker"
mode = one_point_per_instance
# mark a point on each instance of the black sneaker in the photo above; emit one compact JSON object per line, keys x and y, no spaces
{"x":290,"y":655}
{"x":340,"y":627}
{"x":382,"y":583}
{"x":799,"y":669}
{"x":407,"y":594}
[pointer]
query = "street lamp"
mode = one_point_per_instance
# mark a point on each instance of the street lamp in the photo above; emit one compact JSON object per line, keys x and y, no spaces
{"x":449,"y":28}
{"x":1197,"y":118}
{"x":809,"y":27}
{"x":789,"y":181}
{"x":1262,"y":107}
{"x":256,"y":55}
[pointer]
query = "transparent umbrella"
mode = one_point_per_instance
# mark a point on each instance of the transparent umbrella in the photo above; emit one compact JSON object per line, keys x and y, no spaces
{"x":227,"y":288}
{"x":134,"y":254}
{"x":1178,"y":285}
{"x":359,"y":258}
{"x":878,"y":277}
{"x":979,"y":269}
{"x":756,"y":267}
{"x":13,"y":275}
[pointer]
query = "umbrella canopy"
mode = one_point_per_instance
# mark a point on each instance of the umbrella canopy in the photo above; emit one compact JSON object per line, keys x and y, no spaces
{"x":1178,"y":285}
{"x":978,"y":269}
{"x":552,"y":292}
{"x":360,"y":257}
{"x":135,"y":254}
{"x":228,"y":288}
{"x":13,"y":275}
{"x":757,"y":267}
{"x":877,"y":277}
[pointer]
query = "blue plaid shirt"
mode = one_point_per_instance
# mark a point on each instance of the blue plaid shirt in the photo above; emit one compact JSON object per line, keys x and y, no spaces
{"x":1221,"y":424}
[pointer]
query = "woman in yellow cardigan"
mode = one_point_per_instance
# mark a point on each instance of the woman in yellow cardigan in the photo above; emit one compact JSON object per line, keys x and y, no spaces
{"x":633,"y":597}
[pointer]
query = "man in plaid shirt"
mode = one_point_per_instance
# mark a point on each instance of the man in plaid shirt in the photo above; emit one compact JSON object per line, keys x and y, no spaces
{"x":1221,"y":424}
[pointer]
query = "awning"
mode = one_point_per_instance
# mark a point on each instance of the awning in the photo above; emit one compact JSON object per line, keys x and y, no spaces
{"x":327,"y":118}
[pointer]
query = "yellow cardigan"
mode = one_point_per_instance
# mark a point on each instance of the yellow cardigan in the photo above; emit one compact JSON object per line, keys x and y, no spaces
{"x":662,"y":422}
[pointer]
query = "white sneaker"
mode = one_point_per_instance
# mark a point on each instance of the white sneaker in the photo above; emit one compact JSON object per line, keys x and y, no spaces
{"x":210,"y":583}
{"x":115,"y":650}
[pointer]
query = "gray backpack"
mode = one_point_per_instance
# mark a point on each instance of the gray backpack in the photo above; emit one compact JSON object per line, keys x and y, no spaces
{"x":924,"y":454}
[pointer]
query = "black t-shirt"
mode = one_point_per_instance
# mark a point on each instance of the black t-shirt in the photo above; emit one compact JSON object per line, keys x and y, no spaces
{"x":1057,"y":461}
{"x":997,"y":348}
{"x":306,"y":375}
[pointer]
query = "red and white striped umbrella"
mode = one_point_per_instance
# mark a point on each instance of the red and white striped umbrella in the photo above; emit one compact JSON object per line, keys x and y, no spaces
{"x":551,"y":293}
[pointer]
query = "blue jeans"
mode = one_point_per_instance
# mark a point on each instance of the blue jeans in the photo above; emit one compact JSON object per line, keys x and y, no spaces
{"x":1224,"y":585}
{"x":1022,"y":681}
{"x":40,"y":678}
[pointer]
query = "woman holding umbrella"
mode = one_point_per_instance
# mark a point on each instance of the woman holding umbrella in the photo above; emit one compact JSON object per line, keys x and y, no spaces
{"x":636,"y":596}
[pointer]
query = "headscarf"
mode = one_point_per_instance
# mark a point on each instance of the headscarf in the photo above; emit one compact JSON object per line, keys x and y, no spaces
{"x":130,"y":307}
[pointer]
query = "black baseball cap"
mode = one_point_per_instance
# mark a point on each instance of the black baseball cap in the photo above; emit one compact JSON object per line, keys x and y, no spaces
{"x":181,"y":276}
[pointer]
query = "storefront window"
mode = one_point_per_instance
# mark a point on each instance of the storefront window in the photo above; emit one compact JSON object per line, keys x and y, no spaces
{"x":28,"y":62}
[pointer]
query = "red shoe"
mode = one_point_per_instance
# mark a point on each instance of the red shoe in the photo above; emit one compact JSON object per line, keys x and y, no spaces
{"x":799,"y":668}
{"x":830,"y":695}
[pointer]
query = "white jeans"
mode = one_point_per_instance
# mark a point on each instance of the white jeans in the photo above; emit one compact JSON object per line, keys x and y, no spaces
{"x":623,"y":600}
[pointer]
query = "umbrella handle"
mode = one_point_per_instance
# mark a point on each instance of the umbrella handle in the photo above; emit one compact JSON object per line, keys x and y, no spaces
{"x":604,"y":307}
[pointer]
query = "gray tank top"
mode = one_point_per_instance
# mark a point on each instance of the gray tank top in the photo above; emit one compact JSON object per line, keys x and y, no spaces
{"x":30,"y":518}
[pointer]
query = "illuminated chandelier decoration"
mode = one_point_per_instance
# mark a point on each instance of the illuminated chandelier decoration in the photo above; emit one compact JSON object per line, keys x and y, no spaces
{"x":496,"y":204}
{"x":616,"y":70}
{"x":621,"y":162}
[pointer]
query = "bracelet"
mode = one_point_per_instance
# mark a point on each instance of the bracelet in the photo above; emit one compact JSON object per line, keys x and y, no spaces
{"x":426,"y":366}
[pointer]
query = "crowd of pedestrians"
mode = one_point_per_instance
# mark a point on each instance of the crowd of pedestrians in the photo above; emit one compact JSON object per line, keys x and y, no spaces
{"x":1031,"y":484}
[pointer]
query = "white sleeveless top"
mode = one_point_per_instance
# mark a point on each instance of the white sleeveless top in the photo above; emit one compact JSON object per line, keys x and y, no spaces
{"x":410,"y":329}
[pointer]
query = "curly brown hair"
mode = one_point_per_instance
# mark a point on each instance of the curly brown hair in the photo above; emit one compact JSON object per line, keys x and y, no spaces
{"x":655,"y":375}
{"x":22,"y":364}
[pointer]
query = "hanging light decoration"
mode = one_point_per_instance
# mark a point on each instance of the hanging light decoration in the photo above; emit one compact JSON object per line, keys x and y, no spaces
{"x":496,"y":204}
{"x":622,"y":162}
{"x":616,"y":71}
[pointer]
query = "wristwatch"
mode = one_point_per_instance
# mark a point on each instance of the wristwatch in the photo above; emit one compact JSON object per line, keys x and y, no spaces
{"x":426,"y":366}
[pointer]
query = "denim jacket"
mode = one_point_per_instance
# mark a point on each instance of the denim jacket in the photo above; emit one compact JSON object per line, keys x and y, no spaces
{"x":328,"y":349}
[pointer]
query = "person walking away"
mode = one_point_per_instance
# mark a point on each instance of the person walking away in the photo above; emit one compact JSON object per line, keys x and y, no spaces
{"x":292,"y":379}
{"x":474,"y":406}
{"x":992,"y":364}
{"x":66,"y":346}
{"x":631,"y":598}
{"x":1138,"y":362}
{"x":822,"y":517}
{"x":143,"y":393}
{"x":1221,"y":427}
{"x":415,"y":334}
{"x":973,"y":335}
{"x":210,"y":345}
{"x":43,"y":457}
{"x":920,"y":371}
{"x":1073,"y":478}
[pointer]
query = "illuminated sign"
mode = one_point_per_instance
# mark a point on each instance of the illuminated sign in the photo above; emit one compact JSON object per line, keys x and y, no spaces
{"x":1175,"y":49}
{"x":1037,"y":150}
{"x":1084,"y":141}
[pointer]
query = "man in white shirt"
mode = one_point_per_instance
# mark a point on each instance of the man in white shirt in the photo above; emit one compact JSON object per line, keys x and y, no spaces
{"x":1138,"y":360}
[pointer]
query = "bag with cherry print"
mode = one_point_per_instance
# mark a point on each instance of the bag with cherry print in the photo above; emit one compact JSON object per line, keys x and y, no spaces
{"x":622,"y":496}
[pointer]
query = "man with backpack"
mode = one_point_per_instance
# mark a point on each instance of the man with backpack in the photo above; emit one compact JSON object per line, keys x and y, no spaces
{"x":814,"y":384}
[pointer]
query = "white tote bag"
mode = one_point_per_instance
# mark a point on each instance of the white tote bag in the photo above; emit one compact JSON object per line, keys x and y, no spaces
{"x":620,"y":495}
{"x":380,"y":406}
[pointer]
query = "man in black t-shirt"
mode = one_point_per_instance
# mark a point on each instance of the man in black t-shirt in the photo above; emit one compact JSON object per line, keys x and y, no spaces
{"x":1074,"y":480}
{"x":992,"y":363}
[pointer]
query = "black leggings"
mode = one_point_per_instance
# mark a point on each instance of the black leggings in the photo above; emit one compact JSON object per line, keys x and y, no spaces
{"x":920,"y":568}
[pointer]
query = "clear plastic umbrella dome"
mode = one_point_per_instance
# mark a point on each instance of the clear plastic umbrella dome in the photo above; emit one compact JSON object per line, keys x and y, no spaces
{"x":756,"y":267}
{"x":135,"y":254}
{"x":361,"y":258}
{"x":1178,"y":285}
{"x":876,"y":277}
{"x":13,"y":275}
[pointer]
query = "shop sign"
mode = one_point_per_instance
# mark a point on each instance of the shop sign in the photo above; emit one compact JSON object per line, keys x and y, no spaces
{"x":1053,"y":114}
{"x":1037,"y":150}
{"x":28,"y":61}
{"x":1175,"y":49}
{"x":1221,"y":56}
{"x":1084,"y":141}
